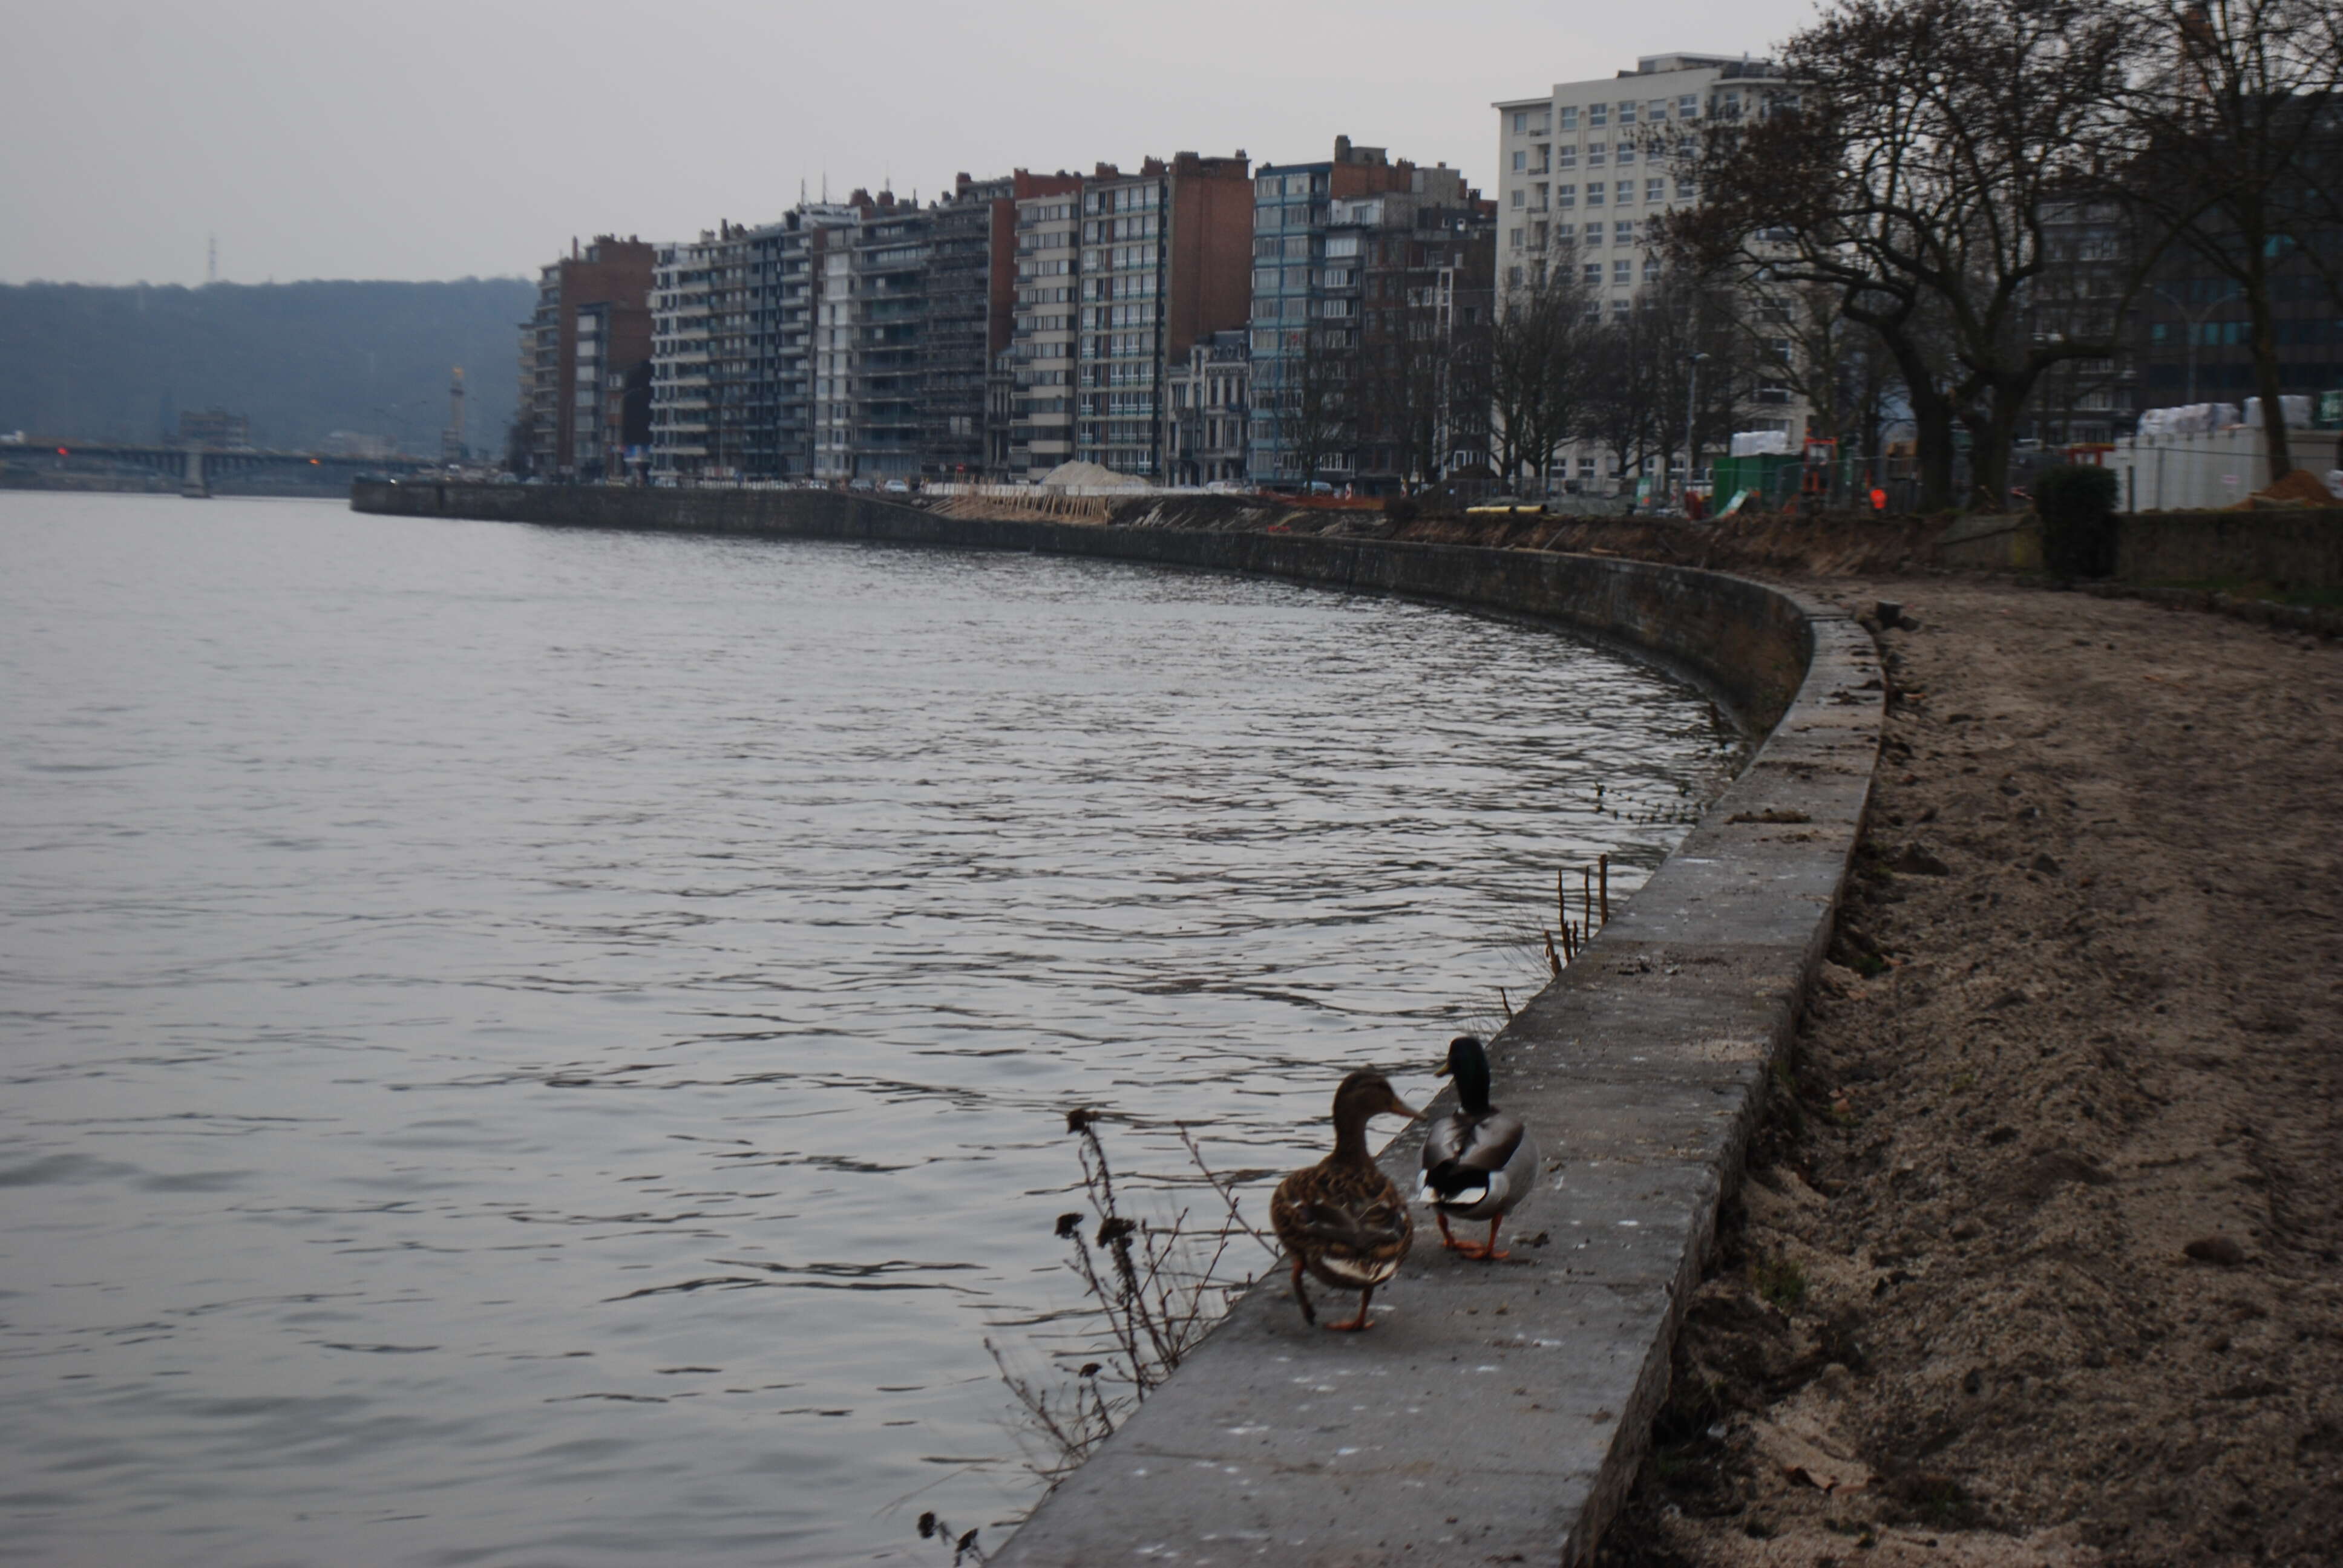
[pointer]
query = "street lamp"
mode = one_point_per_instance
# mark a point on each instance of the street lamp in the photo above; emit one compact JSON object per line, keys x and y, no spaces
{"x":1692,"y":409}
{"x":2194,"y":318}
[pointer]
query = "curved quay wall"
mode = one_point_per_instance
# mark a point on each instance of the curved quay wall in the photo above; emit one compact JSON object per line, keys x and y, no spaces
{"x":1643,"y":1069}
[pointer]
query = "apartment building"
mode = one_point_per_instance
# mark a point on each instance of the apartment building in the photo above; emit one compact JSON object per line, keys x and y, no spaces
{"x":1207,"y":398}
{"x":1047,"y":261}
{"x":967,"y":250}
{"x":869,"y":323}
{"x":596,"y":299}
{"x":977,"y":256}
{"x":1164,"y":261}
{"x":1585,"y":171}
{"x":1364,"y":271}
{"x":683,"y":420}
{"x":730,"y":381}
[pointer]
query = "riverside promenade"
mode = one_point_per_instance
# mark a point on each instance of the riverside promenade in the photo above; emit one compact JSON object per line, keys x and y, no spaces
{"x":1495,"y":1414}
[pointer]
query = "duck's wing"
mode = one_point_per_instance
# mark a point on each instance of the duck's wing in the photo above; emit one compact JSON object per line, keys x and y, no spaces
{"x":1443,"y":1140}
{"x":1509,"y":1184}
{"x":1489,"y":1144}
{"x":1492,"y":1142}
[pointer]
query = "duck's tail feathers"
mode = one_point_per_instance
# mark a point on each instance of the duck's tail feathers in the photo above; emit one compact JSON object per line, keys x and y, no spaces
{"x":1449,"y":1183}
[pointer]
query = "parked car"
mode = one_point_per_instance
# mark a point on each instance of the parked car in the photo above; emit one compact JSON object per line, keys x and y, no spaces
{"x":897,"y":487}
{"x":860,"y":485}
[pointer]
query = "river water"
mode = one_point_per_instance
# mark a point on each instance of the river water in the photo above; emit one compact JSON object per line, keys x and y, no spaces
{"x":533,"y":1047}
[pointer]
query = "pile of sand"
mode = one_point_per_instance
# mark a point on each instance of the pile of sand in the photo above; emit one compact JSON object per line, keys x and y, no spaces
{"x":1089,"y":475}
{"x":2300,"y":488}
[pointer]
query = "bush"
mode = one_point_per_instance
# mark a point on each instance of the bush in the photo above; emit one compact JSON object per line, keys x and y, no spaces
{"x":2076,"y":503}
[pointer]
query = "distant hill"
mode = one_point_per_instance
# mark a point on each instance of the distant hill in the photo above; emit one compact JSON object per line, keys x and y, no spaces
{"x":301,"y":359}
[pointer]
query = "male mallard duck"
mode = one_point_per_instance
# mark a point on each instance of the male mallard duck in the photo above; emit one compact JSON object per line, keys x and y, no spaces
{"x":1342,"y":1219}
{"x":1479,"y":1164}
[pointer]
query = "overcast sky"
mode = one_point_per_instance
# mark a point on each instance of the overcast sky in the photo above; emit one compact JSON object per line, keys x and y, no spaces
{"x":433,"y":138}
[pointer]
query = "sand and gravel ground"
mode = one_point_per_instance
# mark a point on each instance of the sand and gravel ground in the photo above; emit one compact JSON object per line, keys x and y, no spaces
{"x":2082,"y":1019}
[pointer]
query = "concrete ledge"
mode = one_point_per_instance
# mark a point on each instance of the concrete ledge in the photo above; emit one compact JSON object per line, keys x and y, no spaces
{"x":1515,"y":1399}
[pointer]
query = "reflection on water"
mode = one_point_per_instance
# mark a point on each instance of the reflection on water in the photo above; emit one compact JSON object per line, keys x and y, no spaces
{"x":531,"y":1047}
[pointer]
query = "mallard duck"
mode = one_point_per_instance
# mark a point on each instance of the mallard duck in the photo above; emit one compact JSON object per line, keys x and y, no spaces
{"x":1342,"y":1219}
{"x":1479,"y":1164}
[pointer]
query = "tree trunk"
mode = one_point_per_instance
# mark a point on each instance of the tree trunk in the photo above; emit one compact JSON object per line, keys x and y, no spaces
{"x":2274,"y":441}
{"x":1992,"y":435}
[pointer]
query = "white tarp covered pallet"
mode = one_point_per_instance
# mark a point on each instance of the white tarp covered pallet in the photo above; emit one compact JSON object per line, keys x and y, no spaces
{"x":2209,"y":469}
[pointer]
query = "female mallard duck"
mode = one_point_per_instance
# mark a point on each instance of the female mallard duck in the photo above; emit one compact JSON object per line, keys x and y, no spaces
{"x":1479,"y":1164}
{"x":1342,"y":1219}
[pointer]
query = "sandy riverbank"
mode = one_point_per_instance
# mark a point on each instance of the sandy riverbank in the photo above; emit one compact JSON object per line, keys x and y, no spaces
{"x":2083,"y":1016}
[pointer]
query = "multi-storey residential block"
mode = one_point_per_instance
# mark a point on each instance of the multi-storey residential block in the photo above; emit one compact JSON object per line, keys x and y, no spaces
{"x":1427,"y":263}
{"x":1369,"y":276}
{"x":1207,"y":395}
{"x":733,"y":324}
{"x":1165,"y":262}
{"x":967,"y":252}
{"x":973,"y":285}
{"x":1047,"y":261}
{"x":868,"y":328}
{"x":596,"y":299}
{"x":683,"y":403}
{"x":1584,"y":176}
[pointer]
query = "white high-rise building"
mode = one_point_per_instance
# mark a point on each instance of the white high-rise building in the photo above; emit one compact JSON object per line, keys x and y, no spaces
{"x":1584,"y":177}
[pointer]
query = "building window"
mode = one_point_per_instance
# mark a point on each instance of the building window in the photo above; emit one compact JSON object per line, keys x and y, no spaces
{"x":1519,"y":195}
{"x":1567,"y":158}
{"x":1521,"y":160}
{"x":1626,"y":191}
{"x":1595,"y":194}
{"x":1656,"y":110}
{"x":1687,"y":189}
{"x":1655,"y":190}
{"x":1520,"y":121}
{"x":1513,"y":241}
{"x":1565,"y":196}
{"x":1688,"y":107}
{"x":1626,"y":115}
{"x":1619,"y":308}
{"x":1651,"y":270}
{"x":1595,"y":274}
{"x":1622,"y":232}
{"x":1623,"y":270}
{"x":1597,"y":114}
{"x":1595,"y":153}
{"x":1513,"y":277}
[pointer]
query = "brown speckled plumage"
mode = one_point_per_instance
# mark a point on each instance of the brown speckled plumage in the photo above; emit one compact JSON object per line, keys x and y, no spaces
{"x":1342,"y":1219}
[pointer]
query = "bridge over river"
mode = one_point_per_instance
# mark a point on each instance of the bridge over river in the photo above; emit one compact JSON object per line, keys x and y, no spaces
{"x":198,"y":468}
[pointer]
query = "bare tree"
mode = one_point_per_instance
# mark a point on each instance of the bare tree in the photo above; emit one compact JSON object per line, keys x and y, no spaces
{"x":2234,"y":129}
{"x":1539,"y":363}
{"x":1803,"y":345}
{"x":1417,"y":377}
{"x":1308,"y":394}
{"x":1916,"y":166}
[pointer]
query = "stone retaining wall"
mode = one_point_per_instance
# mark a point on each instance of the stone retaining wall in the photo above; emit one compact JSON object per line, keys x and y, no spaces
{"x":1495,"y":1410}
{"x":2296,"y":551}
